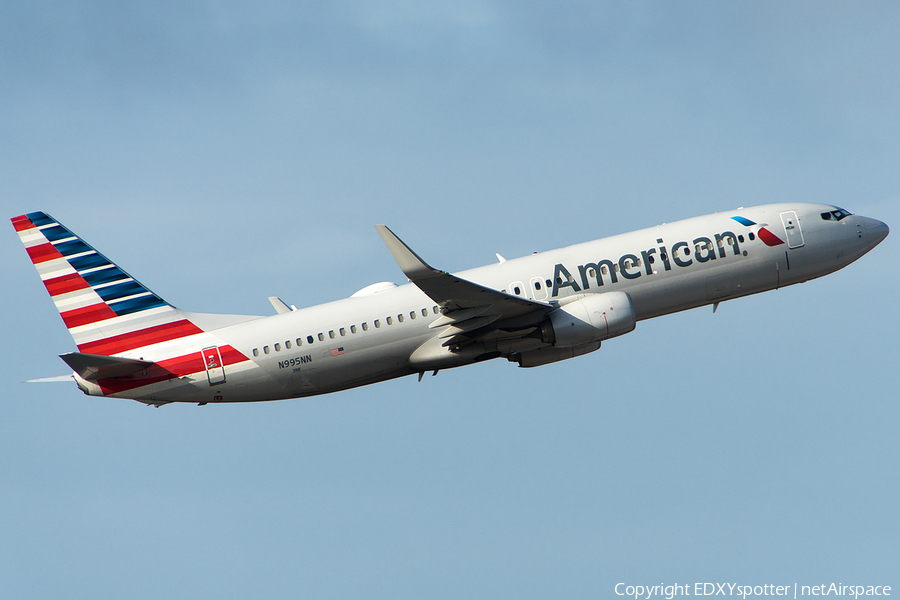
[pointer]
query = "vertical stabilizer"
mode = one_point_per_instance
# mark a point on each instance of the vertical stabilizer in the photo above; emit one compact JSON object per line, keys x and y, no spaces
{"x":105,"y":309}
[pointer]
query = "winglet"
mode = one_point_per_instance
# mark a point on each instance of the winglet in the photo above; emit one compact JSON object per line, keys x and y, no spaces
{"x":410,"y":262}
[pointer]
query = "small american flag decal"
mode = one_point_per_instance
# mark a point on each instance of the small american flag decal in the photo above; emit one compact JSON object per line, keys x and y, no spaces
{"x":337,"y":351}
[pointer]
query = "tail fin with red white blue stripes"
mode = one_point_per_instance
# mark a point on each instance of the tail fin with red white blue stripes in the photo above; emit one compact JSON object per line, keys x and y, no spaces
{"x":106,"y":310}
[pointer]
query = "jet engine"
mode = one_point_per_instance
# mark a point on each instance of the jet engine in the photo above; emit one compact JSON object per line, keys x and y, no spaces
{"x":578,"y":327}
{"x":592,"y":319}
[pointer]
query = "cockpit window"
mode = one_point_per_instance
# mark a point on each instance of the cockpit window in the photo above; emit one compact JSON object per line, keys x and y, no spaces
{"x":836,"y":215}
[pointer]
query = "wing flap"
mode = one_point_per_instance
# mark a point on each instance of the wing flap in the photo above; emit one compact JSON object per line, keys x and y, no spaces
{"x":458,"y":316}
{"x":468,"y":325}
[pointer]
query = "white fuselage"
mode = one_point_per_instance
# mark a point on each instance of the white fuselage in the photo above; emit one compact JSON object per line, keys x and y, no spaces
{"x":665,"y":269}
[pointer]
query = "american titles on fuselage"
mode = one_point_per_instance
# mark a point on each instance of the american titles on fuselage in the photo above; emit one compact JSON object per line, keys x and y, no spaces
{"x":632,"y":266}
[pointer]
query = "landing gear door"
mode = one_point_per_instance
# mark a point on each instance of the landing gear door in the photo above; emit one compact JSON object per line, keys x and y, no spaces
{"x":792,"y":229}
{"x":212,"y":360}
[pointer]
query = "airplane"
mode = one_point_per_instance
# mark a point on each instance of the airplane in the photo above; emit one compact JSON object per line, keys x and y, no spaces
{"x":533,"y":310}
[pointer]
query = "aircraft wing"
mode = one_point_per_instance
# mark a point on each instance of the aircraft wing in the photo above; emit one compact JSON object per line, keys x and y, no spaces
{"x":462,"y":299}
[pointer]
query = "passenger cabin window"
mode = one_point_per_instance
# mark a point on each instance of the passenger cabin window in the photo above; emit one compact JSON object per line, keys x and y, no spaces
{"x":343,"y":332}
{"x":277,"y":347}
{"x":309,"y":339}
{"x":400,"y":318}
{"x":331,"y":334}
{"x":377,"y":323}
{"x":424,"y":312}
{"x":517,"y":290}
{"x":412,"y":314}
{"x":353,"y":329}
{"x":365,"y":326}
{"x":321,"y":337}
{"x":287,"y":345}
{"x":265,"y":349}
{"x":256,"y":352}
{"x":435,"y":309}
{"x":390,"y":321}
{"x":299,"y":341}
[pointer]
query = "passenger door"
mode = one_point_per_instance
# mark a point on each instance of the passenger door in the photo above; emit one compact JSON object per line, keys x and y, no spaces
{"x":792,"y":229}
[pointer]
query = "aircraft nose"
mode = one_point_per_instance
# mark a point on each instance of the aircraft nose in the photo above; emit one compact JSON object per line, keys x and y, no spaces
{"x":876,"y":231}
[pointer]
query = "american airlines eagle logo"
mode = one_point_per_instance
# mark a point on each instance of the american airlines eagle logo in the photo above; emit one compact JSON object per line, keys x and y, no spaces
{"x":768,"y":238}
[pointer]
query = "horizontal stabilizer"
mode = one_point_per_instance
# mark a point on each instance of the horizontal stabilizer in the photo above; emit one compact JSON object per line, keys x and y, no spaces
{"x":57,"y":379}
{"x":96,"y":366}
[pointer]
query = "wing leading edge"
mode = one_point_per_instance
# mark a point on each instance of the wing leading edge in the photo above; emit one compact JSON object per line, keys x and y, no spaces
{"x":451,"y":292}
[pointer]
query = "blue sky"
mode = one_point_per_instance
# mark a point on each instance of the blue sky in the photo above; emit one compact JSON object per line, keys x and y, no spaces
{"x":223,"y":152}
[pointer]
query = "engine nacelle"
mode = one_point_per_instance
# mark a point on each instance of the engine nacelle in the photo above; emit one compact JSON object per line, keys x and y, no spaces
{"x":592,"y":319}
{"x":550,"y":354}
